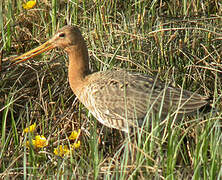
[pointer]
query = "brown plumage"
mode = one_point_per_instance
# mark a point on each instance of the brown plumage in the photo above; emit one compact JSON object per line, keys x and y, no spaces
{"x":118,"y":99}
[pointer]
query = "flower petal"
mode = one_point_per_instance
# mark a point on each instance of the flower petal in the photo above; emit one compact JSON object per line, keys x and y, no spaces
{"x":76,"y":145}
{"x":29,"y":5}
{"x":31,"y":128}
{"x":62,"y":150}
{"x":74,"y":135}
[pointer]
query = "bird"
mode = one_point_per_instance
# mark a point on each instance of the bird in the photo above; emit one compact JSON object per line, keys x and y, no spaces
{"x":117,"y":98}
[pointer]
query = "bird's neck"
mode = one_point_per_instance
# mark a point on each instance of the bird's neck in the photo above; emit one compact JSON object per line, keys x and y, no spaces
{"x":78,"y":66}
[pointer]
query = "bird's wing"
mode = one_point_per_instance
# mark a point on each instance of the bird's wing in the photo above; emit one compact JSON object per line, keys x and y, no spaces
{"x":120,"y":95}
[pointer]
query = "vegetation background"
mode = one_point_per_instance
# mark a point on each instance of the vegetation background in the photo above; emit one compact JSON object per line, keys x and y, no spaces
{"x":180,"y":40}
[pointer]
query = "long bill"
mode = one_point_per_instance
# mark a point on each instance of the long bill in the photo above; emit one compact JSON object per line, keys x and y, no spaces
{"x":32,"y":53}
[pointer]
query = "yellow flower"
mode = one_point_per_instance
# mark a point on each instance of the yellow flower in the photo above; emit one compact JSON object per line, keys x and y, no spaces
{"x":74,"y":135}
{"x":27,"y":143}
{"x":30,"y":128}
{"x":76,"y":145}
{"x":61,"y":150}
{"x":39,"y":141}
{"x":29,"y":5}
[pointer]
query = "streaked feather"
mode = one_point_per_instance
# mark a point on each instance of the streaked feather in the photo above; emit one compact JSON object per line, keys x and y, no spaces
{"x":119,"y":98}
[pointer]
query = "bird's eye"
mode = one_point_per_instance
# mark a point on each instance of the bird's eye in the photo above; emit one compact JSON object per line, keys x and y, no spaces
{"x":62,"y":35}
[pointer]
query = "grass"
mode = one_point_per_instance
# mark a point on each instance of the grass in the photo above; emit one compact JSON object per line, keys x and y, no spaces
{"x":179,"y":40}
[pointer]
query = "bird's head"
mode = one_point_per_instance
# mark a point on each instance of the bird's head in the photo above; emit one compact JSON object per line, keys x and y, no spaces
{"x":66,"y":37}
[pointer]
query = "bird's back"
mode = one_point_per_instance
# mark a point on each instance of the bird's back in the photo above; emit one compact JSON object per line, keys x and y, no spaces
{"x":120,"y":99}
